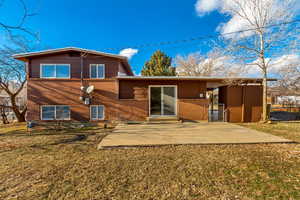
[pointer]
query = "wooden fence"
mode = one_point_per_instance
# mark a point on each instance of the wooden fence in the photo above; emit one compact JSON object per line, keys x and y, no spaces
{"x":285,"y":108}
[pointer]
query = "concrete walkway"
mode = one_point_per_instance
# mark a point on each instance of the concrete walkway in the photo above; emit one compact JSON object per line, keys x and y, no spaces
{"x":185,"y":133}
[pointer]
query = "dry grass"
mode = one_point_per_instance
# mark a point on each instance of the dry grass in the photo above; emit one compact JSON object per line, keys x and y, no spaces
{"x":62,"y":165}
{"x":289,"y":130}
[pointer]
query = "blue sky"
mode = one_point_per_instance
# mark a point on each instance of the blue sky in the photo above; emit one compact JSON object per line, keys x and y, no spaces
{"x":99,"y":24}
{"x":102,"y":24}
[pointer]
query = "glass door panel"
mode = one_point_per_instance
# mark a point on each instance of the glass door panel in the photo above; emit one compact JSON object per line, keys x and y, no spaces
{"x":155,"y":102}
{"x":169,"y":101}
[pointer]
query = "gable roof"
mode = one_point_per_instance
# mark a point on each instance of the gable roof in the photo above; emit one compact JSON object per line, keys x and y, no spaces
{"x":60,"y":50}
{"x":25,"y":56}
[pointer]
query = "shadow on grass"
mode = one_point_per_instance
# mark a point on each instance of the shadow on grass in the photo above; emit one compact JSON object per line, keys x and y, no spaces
{"x":45,"y":138}
{"x":76,"y":138}
{"x":46,"y":132}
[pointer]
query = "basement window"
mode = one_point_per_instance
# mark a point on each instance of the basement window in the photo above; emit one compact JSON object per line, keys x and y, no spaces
{"x":97,"y":71}
{"x":55,"y":71}
{"x":55,"y":112}
{"x":97,"y":112}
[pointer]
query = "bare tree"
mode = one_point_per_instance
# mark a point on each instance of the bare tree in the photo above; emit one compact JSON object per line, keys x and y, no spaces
{"x":12,"y":72}
{"x":196,"y":64}
{"x":4,"y":102}
{"x":20,"y":26}
{"x":214,"y":63}
{"x":13,"y":76}
{"x":268,"y":34}
{"x":290,"y":78}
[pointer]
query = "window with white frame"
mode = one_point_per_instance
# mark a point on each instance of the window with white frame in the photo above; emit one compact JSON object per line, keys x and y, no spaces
{"x":55,"y":112}
{"x":97,"y":71}
{"x":55,"y":71}
{"x":97,"y":112}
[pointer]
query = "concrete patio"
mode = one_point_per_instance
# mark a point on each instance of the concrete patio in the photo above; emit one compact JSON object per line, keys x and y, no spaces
{"x":185,"y":133}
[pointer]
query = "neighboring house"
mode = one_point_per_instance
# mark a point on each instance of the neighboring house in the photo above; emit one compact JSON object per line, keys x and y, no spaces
{"x":20,"y":100}
{"x":58,"y":80}
{"x":280,"y":96}
{"x":288,"y":100}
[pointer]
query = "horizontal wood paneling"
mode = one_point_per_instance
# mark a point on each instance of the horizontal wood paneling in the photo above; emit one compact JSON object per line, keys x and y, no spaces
{"x":234,"y":102}
{"x":112,"y":65}
{"x":191,"y":109}
{"x":186,"y":89}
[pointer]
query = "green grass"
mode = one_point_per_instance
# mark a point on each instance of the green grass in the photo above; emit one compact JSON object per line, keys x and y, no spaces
{"x":66,"y":165}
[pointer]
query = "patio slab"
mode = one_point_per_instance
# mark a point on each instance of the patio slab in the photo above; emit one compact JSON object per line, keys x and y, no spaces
{"x":185,"y":133}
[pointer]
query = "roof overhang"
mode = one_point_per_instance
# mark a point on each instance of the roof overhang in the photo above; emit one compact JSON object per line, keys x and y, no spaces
{"x":199,"y":78}
{"x":65,"y":49}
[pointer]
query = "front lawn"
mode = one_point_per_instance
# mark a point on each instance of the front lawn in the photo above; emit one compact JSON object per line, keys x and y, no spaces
{"x":66,"y":165}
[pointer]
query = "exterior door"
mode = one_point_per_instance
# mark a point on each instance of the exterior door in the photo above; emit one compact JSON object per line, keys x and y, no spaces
{"x":163,"y":100}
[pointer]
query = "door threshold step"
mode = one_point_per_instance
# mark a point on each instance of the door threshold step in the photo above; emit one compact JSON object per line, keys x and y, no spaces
{"x":163,"y":119}
{"x":163,"y":122}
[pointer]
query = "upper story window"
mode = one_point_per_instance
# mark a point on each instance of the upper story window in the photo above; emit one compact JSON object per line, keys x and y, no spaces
{"x":97,"y":71}
{"x":55,"y":71}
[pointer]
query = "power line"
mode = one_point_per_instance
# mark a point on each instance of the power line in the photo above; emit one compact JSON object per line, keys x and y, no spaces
{"x":165,"y":43}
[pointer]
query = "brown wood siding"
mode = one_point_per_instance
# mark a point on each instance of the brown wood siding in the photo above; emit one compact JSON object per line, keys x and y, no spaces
{"x":234,"y":101}
{"x":128,"y":99}
{"x":253,"y":103}
{"x":193,"y":109}
{"x":189,"y":104}
{"x":186,"y":89}
{"x":67,"y":92}
{"x":112,"y":65}
{"x":191,"y":89}
{"x":122,"y":68}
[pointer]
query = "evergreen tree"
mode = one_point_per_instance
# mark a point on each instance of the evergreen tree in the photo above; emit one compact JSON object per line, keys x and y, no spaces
{"x":159,"y":65}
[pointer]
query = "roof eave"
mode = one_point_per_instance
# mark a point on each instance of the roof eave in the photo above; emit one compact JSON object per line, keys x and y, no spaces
{"x":45,"y":52}
{"x":190,"y":78}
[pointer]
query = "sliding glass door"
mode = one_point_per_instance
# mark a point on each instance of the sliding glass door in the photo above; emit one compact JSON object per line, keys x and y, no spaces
{"x":163,"y":100}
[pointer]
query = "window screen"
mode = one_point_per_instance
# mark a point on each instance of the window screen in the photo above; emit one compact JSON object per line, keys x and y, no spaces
{"x":97,"y":71}
{"x":48,"y":112}
{"x":55,"y":113}
{"x":55,"y":71}
{"x":97,"y":112}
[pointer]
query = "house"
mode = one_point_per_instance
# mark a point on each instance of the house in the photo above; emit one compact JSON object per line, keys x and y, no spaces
{"x":282,"y":96}
{"x":85,"y":85}
{"x":5,"y":100}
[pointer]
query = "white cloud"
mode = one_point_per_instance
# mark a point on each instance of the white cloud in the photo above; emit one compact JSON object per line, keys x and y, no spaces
{"x":237,"y":23}
{"x":129,"y":52}
{"x":205,"y":6}
{"x":137,"y":73}
{"x":284,"y":61}
{"x":275,"y":64}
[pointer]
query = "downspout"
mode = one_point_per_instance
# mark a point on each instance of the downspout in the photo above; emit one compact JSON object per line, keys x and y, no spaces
{"x":81,"y":69}
{"x":212,"y":105}
{"x":82,"y":91}
{"x":243,"y":103}
{"x":82,"y":55}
